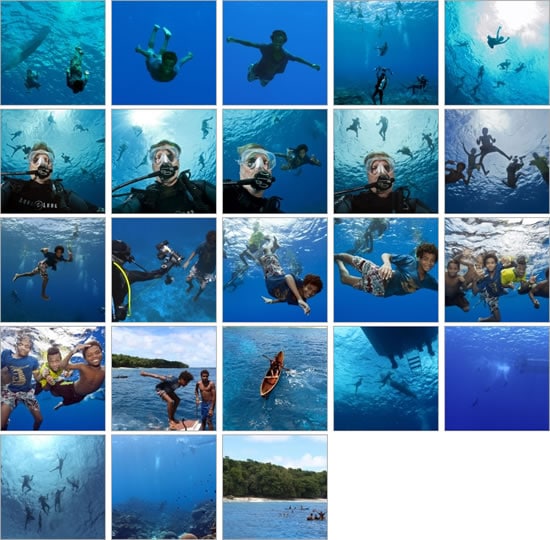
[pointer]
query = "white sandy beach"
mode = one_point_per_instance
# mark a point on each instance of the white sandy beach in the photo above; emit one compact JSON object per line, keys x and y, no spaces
{"x":258,"y":499}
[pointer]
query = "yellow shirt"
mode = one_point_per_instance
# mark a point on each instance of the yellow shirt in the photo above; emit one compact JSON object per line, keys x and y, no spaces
{"x":508,"y":275}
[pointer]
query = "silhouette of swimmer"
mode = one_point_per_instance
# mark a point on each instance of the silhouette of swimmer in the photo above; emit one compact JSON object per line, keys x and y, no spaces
{"x":382,"y":49}
{"x":75,"y":77}
{"x":381,"y":83}
{"x":406,"y":151}
{"x":383,"y":123}
{"x":541,"y":163}
{"x":497,"y":40}
{"x":355,"y":126}
{"x":31,"y":80}
{"x":486,"y":142}
{"x":358,"y":384}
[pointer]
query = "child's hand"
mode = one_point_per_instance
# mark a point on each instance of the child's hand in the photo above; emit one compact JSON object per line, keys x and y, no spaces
{"x":303,"y":304}
{"x":267,"y":300}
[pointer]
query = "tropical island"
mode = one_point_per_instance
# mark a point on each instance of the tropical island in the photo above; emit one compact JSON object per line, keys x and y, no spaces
{"x":253,"y":479}
{"x":127,"y":361}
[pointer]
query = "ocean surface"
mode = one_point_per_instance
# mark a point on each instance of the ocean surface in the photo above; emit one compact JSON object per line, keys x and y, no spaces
{"x":299,"y":84}
{"x":149,"y":412}
{"x":81,"y":512}
{"x":303,"y":250}
{"x":298,"y":402}
{"x":303,"y":190}
{"x":402,"y":237}
{"x":89,"y":414}
{"x":496,"y":378}
{"x":135,"y":131}
{"x":512,"y":237}
{"x":76,"y":289}
{"x":409,"y":30}
{"x":518,"y":133}
{"x":193,"y":27}
{"x":278,"y":519}
{"x":42,"y":36}
{"x":163,"y":484}
{"x":416,"y":130}
{"x":77,"y":138}
{"x":155,"y":300}
{"x":364,"y":398}
{"x":476,"y":74}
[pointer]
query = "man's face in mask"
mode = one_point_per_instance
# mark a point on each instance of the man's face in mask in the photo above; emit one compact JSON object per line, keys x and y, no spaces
{"x":166,"y":160}
{"x":42,"y":162}
{"x":380,"y":171}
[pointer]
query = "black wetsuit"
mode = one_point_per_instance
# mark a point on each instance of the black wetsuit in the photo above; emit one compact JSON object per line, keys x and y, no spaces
{"x":186,"y":197}
{"x":368,"y":202}
{"x":237,"y":200}
{"x":28,"y":196}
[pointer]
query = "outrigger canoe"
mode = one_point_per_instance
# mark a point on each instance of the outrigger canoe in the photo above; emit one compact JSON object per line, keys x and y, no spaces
{"x":270,"y":380}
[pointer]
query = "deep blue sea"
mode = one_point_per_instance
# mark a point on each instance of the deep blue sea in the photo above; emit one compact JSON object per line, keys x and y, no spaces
{"x":163,"y":483}
{"x":303,"y":250}
{"x":517,"y":133}
{"x":193,"y":27}
{"x":496,"y":378}
{"x":299,"y":84}
{"x":77,"y":138}
{"x":76,"y":289}
{"x":303,"y":190}
{"x":241,"y":520}
{"x":298,"y":402}
{"x":42,"y":36}
{"x":411,"y":38}
{"x":402,"y":237}
{"x":89,"y":414}
{"x":135,"y":131}
{"x":156,"y":301}
{"x":512,"y":237}
{"x":412,"y":129}
{"x":467,"y":26}
{"x":361,"y":399}
{"x":82,"y":510}
{"x":149,"y":413}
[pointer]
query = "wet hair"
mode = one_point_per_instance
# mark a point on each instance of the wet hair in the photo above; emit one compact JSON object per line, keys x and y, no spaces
{"x":426,"y":247}
{"x":169,"y":55}
{"x":204,"y":372}
{"x":453,"y":261}
{"x":279,"y":33}
{"x":461,"y":165}
{"x":301,"y":147}
{"x":57,"y":248}
{"x":89,"y":345}
{"x":211,"y":237}
{"x":241,"y":149}
{"x":40,"y":145}
{"x":165,"y":142}
{"x":312,"y":279}
{"x":372,"y":155}
{"x":185,"y":376}
{"x":489,"y":256}
{"x":521,"y":259}
{"x":23,"y":337}
{"x":121,"y":250}
{"x":52,"y":351}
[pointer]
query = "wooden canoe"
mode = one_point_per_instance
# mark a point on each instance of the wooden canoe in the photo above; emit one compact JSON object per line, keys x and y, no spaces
{"x":270,"y":381}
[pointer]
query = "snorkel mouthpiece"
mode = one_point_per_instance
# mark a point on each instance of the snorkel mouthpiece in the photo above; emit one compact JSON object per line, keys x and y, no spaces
{"x":384,"y":182}
{"x":262,"y":180}
{"x":167,"y":171}
{"x":43,"y":171}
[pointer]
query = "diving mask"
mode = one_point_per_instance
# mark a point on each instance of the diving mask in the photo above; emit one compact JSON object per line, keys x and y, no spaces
{"x":41,"y":158}
{"x":380,"y":165}
{"x":161,"y":155}
{"x":257,"y":159}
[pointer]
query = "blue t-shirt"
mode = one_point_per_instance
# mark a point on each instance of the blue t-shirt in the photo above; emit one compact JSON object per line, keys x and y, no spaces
{"x":405,"y":279}
{"x":278,"y":288}
{"x":492,"y":286}
{"x":20,"y":370}
{"x":207,"y":258}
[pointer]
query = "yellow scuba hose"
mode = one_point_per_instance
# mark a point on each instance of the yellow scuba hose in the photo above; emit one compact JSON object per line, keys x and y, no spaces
{"x":128,"y":285}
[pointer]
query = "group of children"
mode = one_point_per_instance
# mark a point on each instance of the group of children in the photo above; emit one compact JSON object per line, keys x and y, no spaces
{"x":23,"y":377}
{"x":490,"y":278}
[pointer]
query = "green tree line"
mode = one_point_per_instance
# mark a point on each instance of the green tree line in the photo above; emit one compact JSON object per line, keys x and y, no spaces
{"x":253,"y":479}
{"x":125,"y":360}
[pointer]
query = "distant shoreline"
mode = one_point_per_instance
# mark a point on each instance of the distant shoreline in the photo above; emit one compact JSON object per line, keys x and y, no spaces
{"x":258,"y":499}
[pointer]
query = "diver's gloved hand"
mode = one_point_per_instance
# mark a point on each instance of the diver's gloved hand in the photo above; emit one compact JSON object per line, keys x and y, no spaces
{"x":121,"y":313}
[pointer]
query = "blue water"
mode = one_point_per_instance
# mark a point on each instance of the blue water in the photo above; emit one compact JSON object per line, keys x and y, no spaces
{"x":193,"y":27}
{"x":87,"y":415}
{"x":299,"y":84}
{"x":155,"y":301}
{"x":503,"y":237}
{"x":517,"y":132}
{"x":303,"y":250}
{"x":402,"y":237}
{"x":467,"y":26}
{"x":82,"y":512}
{"x":76,"y":289}
{"x":405,"y":128}
{"x":496,"y":378}
{"x":303,"y":190}
{"x":163,"y":484}
{"x":363,"y":402}
{"x":71,"y":24}
{"x":272,"y":520}
{"x":411,"y":35}
{"x":298,"y":402}
{"x":135,"y":131}
{"x":149,"y":413}
{"x":73,"y":133}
